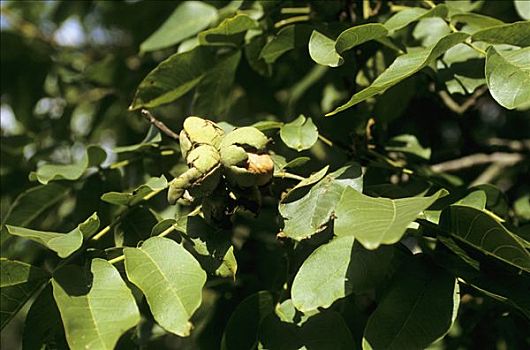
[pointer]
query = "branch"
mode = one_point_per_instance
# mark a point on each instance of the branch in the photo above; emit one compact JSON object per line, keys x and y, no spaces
{"x":157,"y":123}
{"x":461,"y":109}
{"x":501,"y":158}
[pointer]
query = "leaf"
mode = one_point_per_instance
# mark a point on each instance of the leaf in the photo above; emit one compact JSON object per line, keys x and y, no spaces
{"x":523,"y":8}
{"x":131,"y":198}
{"x":408,"y":144}
{"x":231,"y":31}
{"x":326,"y":330}
{"x":300,"y":134}
{"x":29,"y":205}
{"x":517,"y":34}
{"x":313,"y":178}
{"x":64,"y":244}
{"x":322,"y":50}
{"x":264,"y":125}
{"x":43,"y":328}
{"x":482,"y":232}
{"x":171,"y":280}
{"x":212,"y":96}
{"x":521,"y":207}
{"x":18,"y":282}
{"x":403,"y":67}
{"x":358,"y":35}
{"x":174,"y":77}
{"x":241,"y":331}
{"x":376,"y":221}
{"x":349,"y":268}
{"x":419,"y":308}
{"x":429,"y":30}
{"x":94,"y":156}
{"x":95,"y":313}
{"x":189,"y":18}
{"x":287,"y":39}
{"x":310,"y":214}
{"x":152,"y":139}
{"x":508,"y":76}
{"x":297,"y":162}
{"x":404,"y":18}
{"x":475,"y":22}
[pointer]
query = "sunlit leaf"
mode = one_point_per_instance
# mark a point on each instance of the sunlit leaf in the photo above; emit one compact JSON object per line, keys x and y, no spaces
{"x":171,"y":280}
{"x":287,"y":39}
{"x":517,"y":34}
{"x":130,"y":198}
{"x":231,"y":31}
{"x":300,"y":134}
{"x":152,"y":139}
{"x":413,"y":14}
{"x":322,"y":50}
{"x":358,"y":35}
{"x":63,"y":244}
{"x":508,"y":76}
{"x":189,"y":18}
{"x":95,"y":310}
{"x":376,"y":221}
{"x":408,"y":144}
{"x":18,"y":282}
{"x":523,"y":8}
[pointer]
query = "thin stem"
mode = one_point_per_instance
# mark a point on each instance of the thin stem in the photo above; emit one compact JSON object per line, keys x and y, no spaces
{"x":160,"y":125}
{"x":325,"y":140}
{"x":471,"y":45}
{"x":295,"y":10}
{"x":117,"y":259}
{"x":286,"y":175}
{"x":291,"y":20}
{"x":120,"y":164}
{"x":101,"y":233}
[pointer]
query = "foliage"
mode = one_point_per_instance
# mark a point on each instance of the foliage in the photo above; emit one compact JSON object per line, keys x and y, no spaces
{"x":357,"y":176}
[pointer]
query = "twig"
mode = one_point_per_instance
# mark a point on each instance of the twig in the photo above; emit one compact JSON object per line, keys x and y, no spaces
{"x":461,"y":109}
{"x":477,"y":159}
{"x":160,"y":125}
{"x":514,"y":145}
{"x":286,"y":175}
{"x":291,"y":20}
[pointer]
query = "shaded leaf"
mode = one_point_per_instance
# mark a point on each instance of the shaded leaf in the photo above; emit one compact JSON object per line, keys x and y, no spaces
{"x":408,"y":144}
{"x":94,"y":156}
{"x":287,"y":39}
{"x":174,"y":77}
{"x":63,"y":244}
{"x":482,"y":232}
{"x":189,"y":18}
{"x":313,"y":178}
{"x":403,"y":67}
{"x":376,"y":221}
{"x":241,"y":331}
{"x":508,"y":76}
{"x":413,"y":14}
{"x":18,"y":282}
{"x":231,"y":31}
{"x":517,"y":34}
{"x":310,"y":214}
{"x":171,"y":280}
{"x":131,"y":198}
{"x":322,"y":50}
{"x":475,"y":22}
{"x":358,"y":35}
{"x":152,"y":139}
{"x":419,"y":308}
{"x":297,"y":162}
{"x":349,"y":268}
{"x":300,"y":134}
{"x":95,"y":311}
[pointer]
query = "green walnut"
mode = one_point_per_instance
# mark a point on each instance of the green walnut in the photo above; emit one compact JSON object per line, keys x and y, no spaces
{"x":201,"y":178}
{"x":244,"y":157}
{"x":198,"y":131}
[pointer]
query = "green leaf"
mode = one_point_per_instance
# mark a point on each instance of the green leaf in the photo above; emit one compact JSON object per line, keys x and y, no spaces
{"x":18,"y":282}
{"x":408,"y":144}
{"x":482,"y":232}
{"x":517,"y":34}
{"x":297,"y":162}
{"x":241,"y":331}
{"x":313,"y":178}
{"x":349,"y":268}
{"x":429,"y":30}
{"x":212,"y":96}
{"x":413,"y":14}
{"x":231,"y":31}
{"x":264,"y":125}
{"x":508,"y":76}
{"x":474,"y":22}
{"x":29,"y":205}
{"x":326,"y":330}
{"x":322,"y":50}
{"x":523,"y":8}
{"x":300,"y":134}
{"x":376,"y":221}
{"x":189,"y":18}
{"x":419,"y":308}
{"x":63,"y":244}
{"x":171,"y":280}
{"x":152,"y":139}
{"x":403,"y":67}
{"x":131,"y":198}
{"x":95,"y":312}
{"x":94,"y":156}
{"x":310,"y":214}
{"x":175,"y":76}
{"x":358,"y":35}
{"x":287,"y":39}
{"x":521,"y":207}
